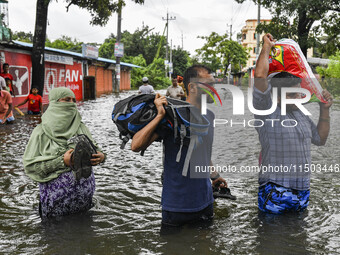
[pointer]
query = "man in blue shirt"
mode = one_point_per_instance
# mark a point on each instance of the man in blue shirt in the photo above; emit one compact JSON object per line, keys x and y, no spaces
{"x":185,"y":199}
{"x":285,"y":149}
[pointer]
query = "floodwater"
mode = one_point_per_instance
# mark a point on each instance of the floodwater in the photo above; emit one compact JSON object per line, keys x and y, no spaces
{"x":127,"y":214}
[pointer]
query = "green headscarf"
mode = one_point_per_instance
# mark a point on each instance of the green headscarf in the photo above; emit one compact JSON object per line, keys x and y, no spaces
{"x":61,"y":120}
{"x":48,"y":141}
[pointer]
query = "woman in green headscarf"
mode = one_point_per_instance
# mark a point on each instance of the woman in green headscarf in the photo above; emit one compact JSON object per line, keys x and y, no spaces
{"x":47,"y":158}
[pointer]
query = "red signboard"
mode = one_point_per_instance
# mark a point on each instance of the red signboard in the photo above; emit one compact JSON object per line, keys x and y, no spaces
{"x":56,"y":75}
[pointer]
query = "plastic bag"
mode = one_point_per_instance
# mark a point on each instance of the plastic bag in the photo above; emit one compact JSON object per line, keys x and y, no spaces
{"x":287,"y":56}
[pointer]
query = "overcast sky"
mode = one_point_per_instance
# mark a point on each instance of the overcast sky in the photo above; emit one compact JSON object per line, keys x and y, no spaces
{"x":193,"y":18}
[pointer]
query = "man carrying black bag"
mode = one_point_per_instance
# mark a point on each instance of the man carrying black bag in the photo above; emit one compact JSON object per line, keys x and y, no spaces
{"x":187,"y":197}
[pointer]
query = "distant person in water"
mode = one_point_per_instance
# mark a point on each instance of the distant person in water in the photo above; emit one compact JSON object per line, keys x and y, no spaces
{"x":5,"y":74}
{"x":181,"y":84}
{"x":174,"y":91}
{"x":146,"y":88}
{"x":9,"y":86}
{"x":48,"y":158}
{"x":34,"y":102}
{"x":6,"y":105}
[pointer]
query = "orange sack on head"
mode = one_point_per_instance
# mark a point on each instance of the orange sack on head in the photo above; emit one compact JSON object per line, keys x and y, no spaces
{"x":287,"y":56}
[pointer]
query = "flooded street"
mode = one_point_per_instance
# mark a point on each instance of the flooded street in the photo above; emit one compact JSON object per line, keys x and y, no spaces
{"x":126,"y":217}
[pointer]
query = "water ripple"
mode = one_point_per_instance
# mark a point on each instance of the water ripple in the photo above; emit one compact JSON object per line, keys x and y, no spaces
{"x":127,"y":214}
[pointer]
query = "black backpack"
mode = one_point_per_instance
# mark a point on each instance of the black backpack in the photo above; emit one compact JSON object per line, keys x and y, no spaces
{"x":182,"y":119}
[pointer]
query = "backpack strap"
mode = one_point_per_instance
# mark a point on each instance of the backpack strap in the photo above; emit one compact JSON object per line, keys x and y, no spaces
{"x":175,"y":119}
{"x":124,"y":140}
{"x":120,"y":113}
{"x":192,"y":144}
{"x":183,"y":133}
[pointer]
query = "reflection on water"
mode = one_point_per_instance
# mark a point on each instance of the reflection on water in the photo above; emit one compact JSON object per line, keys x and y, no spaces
{"x":127,"y":214}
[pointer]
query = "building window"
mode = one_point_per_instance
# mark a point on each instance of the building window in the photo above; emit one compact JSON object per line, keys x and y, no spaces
{"x":254,"y":62}
{"x":244,"y":36}
{"x":254,"y":50}
{"x":254,"y":36}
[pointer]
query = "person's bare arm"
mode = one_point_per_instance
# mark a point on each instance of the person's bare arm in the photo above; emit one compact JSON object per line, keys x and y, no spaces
{"x":262,"y":64}
{"x":146,"y":136}
{"x":324,"y":118}
{"x":10,"y":107}
{"x":24,"y":102}
{"x":41,"y":108}
{"x":215,"y":177}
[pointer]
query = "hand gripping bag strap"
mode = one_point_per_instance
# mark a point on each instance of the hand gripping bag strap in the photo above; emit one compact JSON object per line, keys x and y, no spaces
{"x":183,"y":133}
{"x":192,"y":144}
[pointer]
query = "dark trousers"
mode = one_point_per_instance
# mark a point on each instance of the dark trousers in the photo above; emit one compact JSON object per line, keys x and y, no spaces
{"x":172,"y":221}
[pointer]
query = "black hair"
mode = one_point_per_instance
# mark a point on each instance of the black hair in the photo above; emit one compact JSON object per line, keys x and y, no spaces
{"x":5,"y":64}
{"x":32,"y":89}
{"x":284,"y":80}
{"x":192,"y":72}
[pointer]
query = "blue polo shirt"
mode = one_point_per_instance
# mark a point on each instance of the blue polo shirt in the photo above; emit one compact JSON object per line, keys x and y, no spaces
{"x":193,"y":192}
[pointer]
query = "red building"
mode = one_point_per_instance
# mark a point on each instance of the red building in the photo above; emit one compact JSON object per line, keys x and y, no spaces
{"x":88,"y":78}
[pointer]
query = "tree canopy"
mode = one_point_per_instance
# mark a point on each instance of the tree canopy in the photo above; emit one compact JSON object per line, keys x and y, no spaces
{"x":297,"y":19}
{"x":219,"y":52}
{"x":142,"y":41}
{"x":180,"y":60}
{"x":23,"y":36}
{"x":100,"y":11}
{"x":331,"y":75}
{"x":66,"y":43}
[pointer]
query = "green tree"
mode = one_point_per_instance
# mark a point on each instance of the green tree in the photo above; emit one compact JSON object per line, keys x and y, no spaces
{"x":100,"y":10}
{"x":330,"y":43}
{"x":181,"y":60}
{"x":106,"y":50}
{"x":136,"y":73}
{"x":331,"y":75}
{"x":295,"y":19}
{"x":155,"y":73}
{"x":142,"y":41}
{"x":23,"y":36}
{"x":66,"y":43}
{"x":219,"y":51}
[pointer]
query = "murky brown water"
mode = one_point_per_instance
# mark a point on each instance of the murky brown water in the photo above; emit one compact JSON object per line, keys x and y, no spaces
{"x":126,"y":217}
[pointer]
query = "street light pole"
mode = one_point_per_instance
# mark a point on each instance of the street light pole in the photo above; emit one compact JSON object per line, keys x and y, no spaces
{"x":119,"y":35}
{"x":258,"y":34}
{"x":167,"y":38}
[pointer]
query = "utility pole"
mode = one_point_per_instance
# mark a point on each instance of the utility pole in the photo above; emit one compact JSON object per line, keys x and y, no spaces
{"x":258,"y":34}
{"x":231,"y":29}
{"x":119,"y":28}
{"x":167,"y":34}
{"x":170,"y":67}
{"x":230,"y":38}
